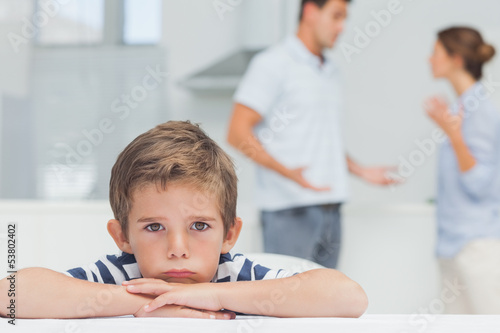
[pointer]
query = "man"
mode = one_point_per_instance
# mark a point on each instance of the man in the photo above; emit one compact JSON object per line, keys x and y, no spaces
{"x":286,"y":119}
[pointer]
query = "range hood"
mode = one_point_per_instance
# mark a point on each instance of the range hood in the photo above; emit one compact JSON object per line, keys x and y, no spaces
{"x":222,"y":76}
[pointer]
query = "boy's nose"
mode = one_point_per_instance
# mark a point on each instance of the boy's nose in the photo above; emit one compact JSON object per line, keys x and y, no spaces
{"x":178,"y":246}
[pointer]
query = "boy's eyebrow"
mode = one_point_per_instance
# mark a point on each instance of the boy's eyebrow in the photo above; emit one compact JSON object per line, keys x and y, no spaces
{"x":161,"y":218}
{"x":152,"y":219}
{"x":201,"y":218}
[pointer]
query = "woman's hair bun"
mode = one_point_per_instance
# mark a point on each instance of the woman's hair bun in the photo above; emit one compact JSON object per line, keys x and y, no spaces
{"x":486,"y":52}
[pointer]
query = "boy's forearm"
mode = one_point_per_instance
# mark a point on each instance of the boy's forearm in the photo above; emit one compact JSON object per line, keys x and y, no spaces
{"x":42,"y":293}
{"x":316,"y":293}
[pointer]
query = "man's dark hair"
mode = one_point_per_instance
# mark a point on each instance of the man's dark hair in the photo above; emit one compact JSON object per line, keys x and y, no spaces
{"x":319,"y":3}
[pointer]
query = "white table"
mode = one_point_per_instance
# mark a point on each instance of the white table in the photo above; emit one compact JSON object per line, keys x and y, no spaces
{"x":247,"y":324}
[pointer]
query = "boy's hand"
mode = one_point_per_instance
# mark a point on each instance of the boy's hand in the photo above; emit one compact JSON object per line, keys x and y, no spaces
{"x":192,"y":300}
{"x":179,"y":311}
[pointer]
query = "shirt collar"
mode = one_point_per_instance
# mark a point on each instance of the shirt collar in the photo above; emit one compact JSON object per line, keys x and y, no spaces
{"x":299,"y":50}
{"x":472,"y":92}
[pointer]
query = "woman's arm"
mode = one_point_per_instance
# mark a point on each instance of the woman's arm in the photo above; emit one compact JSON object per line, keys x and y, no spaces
{"x":452,"y":125}
{"x":466,"y":160}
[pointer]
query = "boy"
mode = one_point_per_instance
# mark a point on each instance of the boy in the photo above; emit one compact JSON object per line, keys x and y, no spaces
{"x":173,"y":193}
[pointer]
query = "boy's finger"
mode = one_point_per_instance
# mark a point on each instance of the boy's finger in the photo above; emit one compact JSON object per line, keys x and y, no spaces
{"x":140,"y":281}
{"x":150,"y":289}
{"x":232,"y":315}
{"x":201,"y":314}
{"x":158,"y":302}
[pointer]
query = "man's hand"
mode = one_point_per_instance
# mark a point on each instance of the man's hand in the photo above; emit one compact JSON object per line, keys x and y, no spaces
{"x":178,"y":300}
{"x":374,"y":175}
{"x":296,"y":176}
{"x":380,"y":175}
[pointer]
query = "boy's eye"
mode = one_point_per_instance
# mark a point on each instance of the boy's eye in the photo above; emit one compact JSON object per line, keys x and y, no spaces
{"x":199,"y":226}
{"x":154,"y":227}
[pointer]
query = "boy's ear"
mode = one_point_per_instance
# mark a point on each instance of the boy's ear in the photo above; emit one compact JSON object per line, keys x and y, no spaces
{"x":232,"y":236}
{"x":115,"y":230}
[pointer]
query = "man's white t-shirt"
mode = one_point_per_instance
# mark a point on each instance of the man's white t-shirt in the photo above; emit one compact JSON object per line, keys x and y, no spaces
{"x":300,"y":100}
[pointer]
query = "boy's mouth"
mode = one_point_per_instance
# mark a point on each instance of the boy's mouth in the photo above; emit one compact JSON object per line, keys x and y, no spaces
{"x":179,"y":273}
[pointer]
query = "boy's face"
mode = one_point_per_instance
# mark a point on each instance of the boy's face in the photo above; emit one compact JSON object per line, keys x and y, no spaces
{"x":176,"y":235}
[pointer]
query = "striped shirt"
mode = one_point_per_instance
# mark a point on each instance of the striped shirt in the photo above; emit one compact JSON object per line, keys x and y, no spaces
{"x":114,"y":269}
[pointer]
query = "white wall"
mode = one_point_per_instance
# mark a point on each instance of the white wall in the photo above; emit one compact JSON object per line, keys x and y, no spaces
{"x":15,"y":66}
{"x":195,"y":36}
{"x":265,"y":22}
{"x":1,"y":105}
{"x":14,"y":58}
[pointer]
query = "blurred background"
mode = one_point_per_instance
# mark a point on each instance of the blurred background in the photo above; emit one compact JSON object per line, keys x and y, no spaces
{"x":79,"y":79}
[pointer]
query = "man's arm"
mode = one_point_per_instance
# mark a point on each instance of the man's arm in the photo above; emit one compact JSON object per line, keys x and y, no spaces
{"x":315,"y":293}
{"x":43,"y":293}
{"x":241,"y":137}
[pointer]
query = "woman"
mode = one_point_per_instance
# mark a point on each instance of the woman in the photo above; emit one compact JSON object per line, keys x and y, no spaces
{"x":468,"y":204}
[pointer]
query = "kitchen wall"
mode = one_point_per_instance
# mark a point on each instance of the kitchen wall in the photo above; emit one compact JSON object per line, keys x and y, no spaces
{"x":15,"y":65}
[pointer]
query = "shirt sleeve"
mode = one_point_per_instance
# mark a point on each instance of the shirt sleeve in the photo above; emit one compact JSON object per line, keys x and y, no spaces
{"x":261,"y":84}
{"x":483,"y":141}
{"x":110,"y":269}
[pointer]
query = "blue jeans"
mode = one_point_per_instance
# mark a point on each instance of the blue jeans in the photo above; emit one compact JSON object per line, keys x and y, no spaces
{"x":311,"y":232}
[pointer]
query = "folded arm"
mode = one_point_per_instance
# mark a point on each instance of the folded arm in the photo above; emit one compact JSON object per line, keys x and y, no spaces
{"x":43,"y":293}
{"x":315,"y":293}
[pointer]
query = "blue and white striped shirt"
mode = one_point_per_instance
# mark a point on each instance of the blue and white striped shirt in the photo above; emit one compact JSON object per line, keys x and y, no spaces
{"x":114,"y":269}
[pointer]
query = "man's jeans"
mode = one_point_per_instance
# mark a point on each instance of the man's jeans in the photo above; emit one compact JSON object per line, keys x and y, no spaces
{"x":311,"y":232}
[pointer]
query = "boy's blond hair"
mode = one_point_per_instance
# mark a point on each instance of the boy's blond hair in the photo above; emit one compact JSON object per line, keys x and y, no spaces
{"x":174,"y":152}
